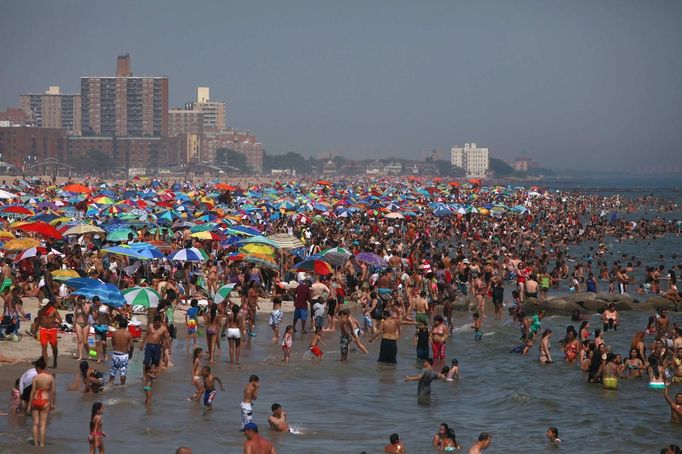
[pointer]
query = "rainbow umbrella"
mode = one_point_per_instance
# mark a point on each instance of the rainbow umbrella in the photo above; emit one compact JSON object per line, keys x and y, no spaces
{"x":316,"y":266}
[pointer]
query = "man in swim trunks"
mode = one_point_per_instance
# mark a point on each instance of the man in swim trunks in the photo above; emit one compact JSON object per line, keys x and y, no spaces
{"x":122,"y":345}
{"x":192,"y":322}
{"x":49,"y":322}
{"x":346,"y":329}
{"x":100,"y":314}
{"x":250,"y":395}
{"x":484,"y":440}
{"x":390,"y":333}
{"x":209,"y":387}
{"x":395,"y":445}
{"x":151,"y":344}
{"x":421,"y":307}
{"x":278,"y":419}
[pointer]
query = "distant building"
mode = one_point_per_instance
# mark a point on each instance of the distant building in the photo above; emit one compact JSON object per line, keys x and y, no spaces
{"x":13,"y":117}
{"x":520,"y":164}
{"x":374,"y":168}
{"x":124,"y":105}
{"x":24,"y":147}
{"x":53,"y":109}
{"x":241,"y":141}
{"x":474,"y":160}
{"x":393,"y":168}
{"x":148,"y":153}
{"x":213,"y":111}
{"x":329,"y":168}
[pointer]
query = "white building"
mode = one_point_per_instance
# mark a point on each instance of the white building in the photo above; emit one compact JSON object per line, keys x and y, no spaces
{"x":475,"y":161}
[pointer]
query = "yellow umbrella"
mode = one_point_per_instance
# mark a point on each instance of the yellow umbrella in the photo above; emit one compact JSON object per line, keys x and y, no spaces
{"x":14,"y":225}
{"x":61,"y":220}
{"x":21,"y":244}
{"x":5,"y":235}
{"x":259,"y":249}
{"x":65,"y":274}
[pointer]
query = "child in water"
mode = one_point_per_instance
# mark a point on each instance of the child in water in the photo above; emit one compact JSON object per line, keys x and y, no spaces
{"x":276,"y":317}
{"x":454,"y":371}
{"x":15,"y":398}
{"x":196,"y":373}
{"x":209,"y":387}
{"x":316,"y":340}
{"x":148,"y":381}
{"x":287,"y":342}
{"x":476,"y":326}
{"x":96,"y":437}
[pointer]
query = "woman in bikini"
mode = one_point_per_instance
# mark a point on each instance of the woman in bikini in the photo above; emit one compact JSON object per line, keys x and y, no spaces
{"x":96,"y":437}
{"x":634,"y":364}
{"x":235,"y":327}
{"x":80,"y":322}
{"x":571,"y":345}
{"x":439,"y":333}
{"x":42,"y":400}
{"x":212,"y":328}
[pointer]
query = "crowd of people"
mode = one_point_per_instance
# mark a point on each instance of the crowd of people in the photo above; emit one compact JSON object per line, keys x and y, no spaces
{"x":364,"y":261}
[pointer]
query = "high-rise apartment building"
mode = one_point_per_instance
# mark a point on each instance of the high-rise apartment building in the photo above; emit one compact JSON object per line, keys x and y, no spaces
{"x":475,"y":161}
{"x":125,"y":105}
{"x":214,"y":112}
{"x":53,"y":109}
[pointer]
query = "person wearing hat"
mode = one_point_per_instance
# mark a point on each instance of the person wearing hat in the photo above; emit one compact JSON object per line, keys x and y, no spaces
{"x":48,"y":321}
{"x":255,"y":443}
{"x":396,"y":445}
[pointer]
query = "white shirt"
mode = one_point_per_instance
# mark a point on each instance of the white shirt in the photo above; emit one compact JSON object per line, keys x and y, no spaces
{"x":26,"y":379}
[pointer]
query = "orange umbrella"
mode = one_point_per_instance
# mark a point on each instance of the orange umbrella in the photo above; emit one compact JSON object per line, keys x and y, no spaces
{"x":77,"y":188}
{"x":225,"y":187}
{"x":475,"y":181}
{"x":454,"y":184}
{"x":324,"y":183}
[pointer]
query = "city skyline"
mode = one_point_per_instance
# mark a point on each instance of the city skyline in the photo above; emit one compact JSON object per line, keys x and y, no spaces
{"x":571,"y":84}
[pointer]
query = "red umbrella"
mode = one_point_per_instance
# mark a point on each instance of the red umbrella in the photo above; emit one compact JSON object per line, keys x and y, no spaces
{"x":225,"y":187}
{"x":32,"y":252}
{"x":77,"y":188}
{"x":454,"y":184}
{"x":314,"y":266}
{"x":17,"y":209}
{"x":42,"y":228}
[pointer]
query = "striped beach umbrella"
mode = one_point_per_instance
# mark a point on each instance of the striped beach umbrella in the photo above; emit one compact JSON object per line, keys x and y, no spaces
{"x":142,"y":296}
{"x":286,"y":241}
{"x":223,"y":293}
{"x":188,"y":255}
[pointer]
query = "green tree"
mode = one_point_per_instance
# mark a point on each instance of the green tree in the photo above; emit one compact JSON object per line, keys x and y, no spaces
{"x":293,"y":161}
{"x":446,"y":169}
{"x":501,"y":168}
{"x":227,"y":157}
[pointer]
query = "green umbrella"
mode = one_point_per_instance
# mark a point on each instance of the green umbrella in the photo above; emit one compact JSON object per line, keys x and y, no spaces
{"x":142,"y":296}
{"x":119,"y":235}
{"x":223,"y":293}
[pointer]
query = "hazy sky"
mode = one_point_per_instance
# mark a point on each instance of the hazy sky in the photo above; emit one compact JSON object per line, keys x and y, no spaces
{"x":579,"y":84}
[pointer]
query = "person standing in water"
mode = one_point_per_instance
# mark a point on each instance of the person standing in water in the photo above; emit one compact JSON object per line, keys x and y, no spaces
{"x":484,"y":440}
{"x":278,"y":419}
{"x":255,"y":444}
{"x":42,"y":401}
{"x":390,"y":333}
{"x":96,"y":437}
{"x":675,"y":406}
{"x":250,"y":395}
{"x":122,"y":346}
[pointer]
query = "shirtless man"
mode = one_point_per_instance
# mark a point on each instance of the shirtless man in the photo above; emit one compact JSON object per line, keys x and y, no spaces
{"x":484,"y":440}
{"x":250,"y":395}
{"x":255,"y":444}
{"x":151,"y":344}
{"x":390,"y":333}
{"x":395,"y":445}
{"x":49,"y":322}
{"x":662,"y":324}
{"x":675,"y":406}
{"x":278,"y":419}
{"x":41,"y":402}
{"x":421,"y":307}
{"x":122,"y":346}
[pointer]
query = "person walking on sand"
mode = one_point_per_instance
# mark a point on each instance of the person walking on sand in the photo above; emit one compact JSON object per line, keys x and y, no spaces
{"x":42,"y":401}
{"x":49,"y":322}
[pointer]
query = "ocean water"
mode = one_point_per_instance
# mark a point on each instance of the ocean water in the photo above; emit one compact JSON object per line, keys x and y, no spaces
{"x":354,"y":406}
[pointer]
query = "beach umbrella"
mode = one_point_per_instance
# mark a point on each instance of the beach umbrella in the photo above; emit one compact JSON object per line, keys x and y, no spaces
{"x":316,"y":266}
{"x":119,"y":235}
{"x":142,"y":296}
{"x":21,"y":244}
{"x":371,"y":259}
{"x":41,"y":228}
{"x":259,"y":240}
{"x":124,"y":250}
{"x":76,"y":188}
{"x":243,"y":230}
{"x":82,"y":229}
{"x":5,"y":235}
{"x":223,"y":293}
{"x":80,"y":282}
{"x":225,"y":187}
{"x":6,"y":195}
{"x":109,"y":294}
{"x":17,"y":209}
{"x":286,"y":241}
{"x":29,"y":253}
{"x":261,"y":261}
{"x":64,"y":275}
{"x":254,"y":248}
{"x":395,"y":215}
{"x":188,"y":255}
{"x":208,"y":235}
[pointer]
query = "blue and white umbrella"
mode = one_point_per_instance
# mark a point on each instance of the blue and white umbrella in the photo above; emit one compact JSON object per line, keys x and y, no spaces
{"x":188,"y":255}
